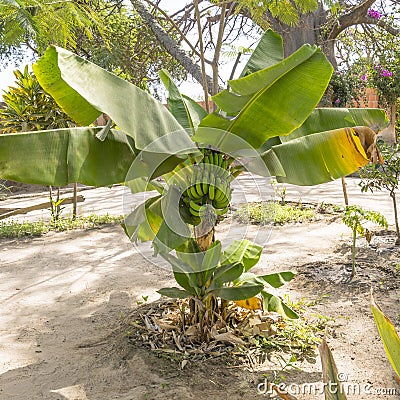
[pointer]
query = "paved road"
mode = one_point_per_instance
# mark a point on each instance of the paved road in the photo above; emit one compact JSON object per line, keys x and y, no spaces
{"x":117,"y":199}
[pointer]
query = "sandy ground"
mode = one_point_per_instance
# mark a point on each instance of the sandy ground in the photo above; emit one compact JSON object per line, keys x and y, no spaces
{"x":64,"y":297}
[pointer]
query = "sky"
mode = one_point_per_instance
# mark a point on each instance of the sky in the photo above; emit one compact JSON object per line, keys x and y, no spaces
{"x":6,"y":77}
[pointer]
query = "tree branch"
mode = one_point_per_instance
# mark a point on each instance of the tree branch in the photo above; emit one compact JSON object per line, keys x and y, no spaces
{"x":355,"y":16}
{"x":170,"y":45}
{"x":203,"y":66}
{"x":172,"y":22}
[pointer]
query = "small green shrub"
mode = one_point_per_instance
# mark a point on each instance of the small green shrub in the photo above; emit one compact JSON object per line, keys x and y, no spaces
{"x":355,"y":217}
{"x":15,"y":229}
{"x":274,"y":213}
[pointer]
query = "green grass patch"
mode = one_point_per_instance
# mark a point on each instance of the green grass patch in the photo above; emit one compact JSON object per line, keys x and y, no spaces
{"x":15,"y":229}
{"x":274,"y":213}
{"x":298,"y":335}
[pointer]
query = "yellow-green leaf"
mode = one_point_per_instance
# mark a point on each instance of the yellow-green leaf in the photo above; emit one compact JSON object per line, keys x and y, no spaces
{"x":389,"y":336}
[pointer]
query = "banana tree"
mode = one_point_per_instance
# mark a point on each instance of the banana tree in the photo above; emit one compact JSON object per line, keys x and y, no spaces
{"x":267,"y":120}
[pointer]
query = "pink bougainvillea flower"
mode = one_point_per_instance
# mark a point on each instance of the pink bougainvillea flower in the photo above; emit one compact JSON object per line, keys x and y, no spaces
{"x":374,"y":14}
{"x":385,"y":72}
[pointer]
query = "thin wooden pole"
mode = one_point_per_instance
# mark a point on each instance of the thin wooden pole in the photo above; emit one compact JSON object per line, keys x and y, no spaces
{"x":75,"y":201}
{"x":346,"y":198}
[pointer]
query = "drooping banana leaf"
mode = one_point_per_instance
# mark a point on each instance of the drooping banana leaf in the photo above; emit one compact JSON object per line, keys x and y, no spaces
{"x":62,"y":156}
{"x":186,"y":111}
{"x":275,"y":304}
{"x":174,"y":293}
{"x":316,"y":158}
{"x":327,"y":119}
{"x":84,"y":91}
{"x":242,"y":292}
{"x":145,"y":220}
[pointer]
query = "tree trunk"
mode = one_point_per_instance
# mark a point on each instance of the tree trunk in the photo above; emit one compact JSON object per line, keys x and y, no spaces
{"x":309,"y":30}
{"x":396,"y":217}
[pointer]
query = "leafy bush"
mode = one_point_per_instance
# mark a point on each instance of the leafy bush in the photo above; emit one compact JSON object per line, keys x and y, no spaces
{"x":384,"y":176}
{"x":29,"y":108}
{"x":274,"y":213}
{"x":15,"y":229}
{"x":355,"y":217}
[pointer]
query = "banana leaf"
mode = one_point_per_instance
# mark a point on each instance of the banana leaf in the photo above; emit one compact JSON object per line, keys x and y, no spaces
{"x":64,"y":156}
{"x":145,"y":220}
{"x":334,"y":389}
{"x":275,"y":304}
{"x":173,"y":231}
{"x":316,"y":158}
{"x":269,"y":51}
{"x":277,"y":99}
{"x":242,"y":252}
{"x":84,"y":91}
{"x":174,"y":293}
{"x":327,"y":119}
{"x":186,"y":111}
{"x":233,"y":293}
{"x":389,"y":336}
{"x":226,"y":273}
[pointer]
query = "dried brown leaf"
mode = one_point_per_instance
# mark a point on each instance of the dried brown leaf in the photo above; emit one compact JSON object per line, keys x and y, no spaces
{"x":368,"y":141}
{"x":229,"y":338}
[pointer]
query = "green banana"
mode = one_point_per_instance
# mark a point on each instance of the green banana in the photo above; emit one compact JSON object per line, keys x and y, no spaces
{"x":221,"y":204}
{"x":204,"y":185}
{"x":216,"y":159}
{"x":211,"y":188}
{"x":193,"y":193}
{"x":194,"y":208}
{"x":219,"y":195}
{"x":199,"y":189}
{"x":223,"y":211}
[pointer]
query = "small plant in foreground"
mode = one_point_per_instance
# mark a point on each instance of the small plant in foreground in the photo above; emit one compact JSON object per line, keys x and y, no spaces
{"x":280,"y":190}
{"x":354,"y":217}
{"x":384,"y":176}
{"x":273,"y":213}
{"x":55,"y":205}
{"x":4,"y":190}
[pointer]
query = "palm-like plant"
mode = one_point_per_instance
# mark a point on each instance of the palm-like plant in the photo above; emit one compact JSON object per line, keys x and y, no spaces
{"x":27,"y":107}
{"x":267,"y":118}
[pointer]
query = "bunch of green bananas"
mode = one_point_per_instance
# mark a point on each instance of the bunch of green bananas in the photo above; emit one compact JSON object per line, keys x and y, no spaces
{"x":206,"y":183}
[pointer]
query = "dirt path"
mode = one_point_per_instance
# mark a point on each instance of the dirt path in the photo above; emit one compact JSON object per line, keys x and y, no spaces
{"x":64,"y":298}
